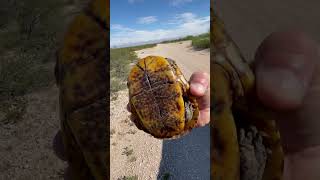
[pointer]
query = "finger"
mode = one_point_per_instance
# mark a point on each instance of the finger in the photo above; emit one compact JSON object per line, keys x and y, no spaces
{"x":287,"y":80}
{"x":204,"y":117}
{"x":199,"y":86}
{"x":204,"y":101}
{"x":199,"y":82}
{"x":285,"y":63}
{"x":204,"y":107}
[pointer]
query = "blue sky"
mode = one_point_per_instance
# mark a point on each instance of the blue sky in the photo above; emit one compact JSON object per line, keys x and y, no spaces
{"x":138,"y":21}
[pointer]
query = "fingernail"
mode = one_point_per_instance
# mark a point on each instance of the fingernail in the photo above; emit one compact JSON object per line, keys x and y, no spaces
{"x":284,"y":69}
{"x":281,"y":83}
{"x":198,"y":87}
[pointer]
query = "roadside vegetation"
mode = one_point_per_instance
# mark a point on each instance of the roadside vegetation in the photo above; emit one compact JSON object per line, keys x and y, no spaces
{"x":178,"y":40}
{"x":199,"y":42}
{"x":29,"y":36}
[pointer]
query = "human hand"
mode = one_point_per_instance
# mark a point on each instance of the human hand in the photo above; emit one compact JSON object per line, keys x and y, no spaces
{"x":288,"y":81}
{"x":200,"y":88}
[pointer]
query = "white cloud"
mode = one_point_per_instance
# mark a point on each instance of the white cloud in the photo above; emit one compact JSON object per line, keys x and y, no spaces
{"x":119,"y":27}
{"x":182,"y":18}
{"x":179,"y":2}
{"x":185,"y":24}
{"x":147,"y":20}
{"x":186,"y":16}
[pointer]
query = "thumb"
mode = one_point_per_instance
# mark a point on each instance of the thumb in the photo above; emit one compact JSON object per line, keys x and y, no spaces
{"x":285,"y":63}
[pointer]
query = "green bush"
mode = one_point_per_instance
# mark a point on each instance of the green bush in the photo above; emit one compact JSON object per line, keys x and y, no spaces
{"x":21,"y":75}
{"x":119,"y":67}
{"x":29,"y":38}
{"x":201,"y":43}
{"x":178,"y":40}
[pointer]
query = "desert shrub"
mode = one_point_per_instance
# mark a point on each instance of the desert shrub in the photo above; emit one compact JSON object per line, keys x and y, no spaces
{"x":201,"y":41}
{"x":29,"y":36}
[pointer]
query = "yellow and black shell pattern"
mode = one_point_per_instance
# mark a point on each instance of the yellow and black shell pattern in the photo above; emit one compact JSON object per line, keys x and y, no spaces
{"x":82,"y":76}
{"x":159,"y":97}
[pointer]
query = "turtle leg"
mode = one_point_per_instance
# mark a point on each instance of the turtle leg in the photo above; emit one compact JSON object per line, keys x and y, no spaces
{"x":254,"y":114}
{"x":260,"y":152}
{"x":191,"y":112}
{"x":253,"y":154}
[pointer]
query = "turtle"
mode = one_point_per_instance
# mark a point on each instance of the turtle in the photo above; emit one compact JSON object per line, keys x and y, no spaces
{"x":160,"y":98}
{"x":245,"y":139}
{"x":81,"y":73}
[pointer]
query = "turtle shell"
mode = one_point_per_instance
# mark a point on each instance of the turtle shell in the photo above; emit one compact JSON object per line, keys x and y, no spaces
{"x":81,"y":74}
{"x":235,"y":108}
{"x":159,"y":98}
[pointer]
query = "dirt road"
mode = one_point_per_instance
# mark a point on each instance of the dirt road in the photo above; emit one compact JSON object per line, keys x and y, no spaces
{"x":26,"y":150}
{"x":135,"y":153}
{"x":187,"y":58}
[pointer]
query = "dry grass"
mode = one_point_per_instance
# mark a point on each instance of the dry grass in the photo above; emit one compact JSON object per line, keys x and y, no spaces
{"x":135,"y":177}
{"x":12,"y":110}
{"x":127,"y":151}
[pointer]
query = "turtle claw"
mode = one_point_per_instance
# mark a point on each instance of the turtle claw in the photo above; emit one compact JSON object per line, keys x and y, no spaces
{"x":241,"y":136}
{"x":254,"y":130}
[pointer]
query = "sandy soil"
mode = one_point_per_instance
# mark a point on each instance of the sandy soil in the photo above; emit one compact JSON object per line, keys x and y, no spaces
{"x":184,"y":158}
{"x":26,"y":146}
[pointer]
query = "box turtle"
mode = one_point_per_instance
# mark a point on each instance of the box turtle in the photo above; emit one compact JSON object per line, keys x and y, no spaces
{"x":81,"y":74}
{"x":159,"y":96}
{"x":244,"y":136}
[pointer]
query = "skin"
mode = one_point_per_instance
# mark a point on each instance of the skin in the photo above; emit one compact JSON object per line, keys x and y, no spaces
{"x":200,"y":87}
{"x":288,"y":81}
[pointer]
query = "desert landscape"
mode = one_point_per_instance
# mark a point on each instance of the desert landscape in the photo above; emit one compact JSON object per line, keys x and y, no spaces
{"x":137,"y":154}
